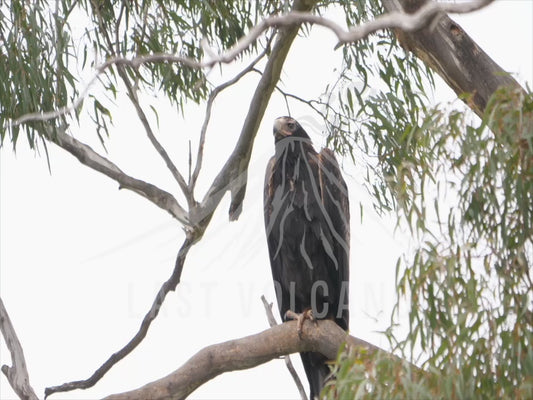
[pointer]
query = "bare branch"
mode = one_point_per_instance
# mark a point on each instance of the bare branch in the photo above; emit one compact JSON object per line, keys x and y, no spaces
{"x":193,"y":236}
{"x":234,"y":173}
{"x":17,"y":374}
{"x":288,"y":363}
{"x":87,"y":156}
{"x":395,"y":19}
{"x":155,"y":143}
{"x":169,"y":285}
{"x":209,"y":106}
{"x":324,"y":336}
{"x":448,"y":50}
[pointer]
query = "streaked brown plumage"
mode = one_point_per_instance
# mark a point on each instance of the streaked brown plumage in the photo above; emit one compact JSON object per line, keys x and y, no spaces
{"x":307,"y":224}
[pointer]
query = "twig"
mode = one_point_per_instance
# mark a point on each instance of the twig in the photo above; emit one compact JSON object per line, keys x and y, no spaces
{"x":17,"y":374}
{"x":325,"y":337}
{"x":169,"y":285}
{"x":272,"y":322}
{"x":155,"y":143}
{"x":399,"y":20}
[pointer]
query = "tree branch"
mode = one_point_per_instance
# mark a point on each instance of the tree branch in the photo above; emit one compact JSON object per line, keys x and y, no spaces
{"x":214,"y":93}
{"x":449,"y":51}
{"x":132,"y":94}
{"x":281,"y":49}
{"x":233,"y":175}
{"x":324,"y":336}
{"x":155,"y":143}
{"x":288,"y":363}
{"x":17,"y":374}
{"x":394,"y":19}
{"x":169,"y":285}
{"x":87,"y":156}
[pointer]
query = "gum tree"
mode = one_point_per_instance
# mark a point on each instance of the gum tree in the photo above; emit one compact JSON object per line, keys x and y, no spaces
{"x":467,"y":284}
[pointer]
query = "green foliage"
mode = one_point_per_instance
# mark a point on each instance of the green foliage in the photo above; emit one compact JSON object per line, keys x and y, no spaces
{"x":381,"y":107}
{"x":469,"y":283}
{"x":35,"y":57}
{"x":465,"y":190}
{"x":42,"y":44}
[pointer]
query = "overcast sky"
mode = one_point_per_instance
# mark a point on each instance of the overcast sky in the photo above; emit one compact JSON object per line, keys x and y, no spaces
{"x":81,"y":261}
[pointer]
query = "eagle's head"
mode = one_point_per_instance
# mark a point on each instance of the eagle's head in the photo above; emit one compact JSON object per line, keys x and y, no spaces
{"x":287,"y":127}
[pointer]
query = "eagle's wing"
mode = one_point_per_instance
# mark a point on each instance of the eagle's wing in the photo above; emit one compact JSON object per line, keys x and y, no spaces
{"x":271,"y":211}
{"x":334,"y":193}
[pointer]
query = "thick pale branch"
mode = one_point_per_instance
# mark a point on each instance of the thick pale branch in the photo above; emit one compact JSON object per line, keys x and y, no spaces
{"x":87,"y":156}
{"x":325,"y":337}
{"x":393,"y":19}
{"x":17,"y":374}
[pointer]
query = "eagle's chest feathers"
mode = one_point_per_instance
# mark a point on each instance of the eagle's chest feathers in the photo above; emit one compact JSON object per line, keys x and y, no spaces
{"x":292,"y":171}
{"x":294,"y":185}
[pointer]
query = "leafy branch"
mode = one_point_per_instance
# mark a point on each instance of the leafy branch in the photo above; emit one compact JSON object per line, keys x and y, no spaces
{"x":394,"y":19}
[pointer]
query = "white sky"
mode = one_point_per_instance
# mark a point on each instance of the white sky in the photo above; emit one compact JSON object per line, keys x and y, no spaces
{"x":81,"y":261}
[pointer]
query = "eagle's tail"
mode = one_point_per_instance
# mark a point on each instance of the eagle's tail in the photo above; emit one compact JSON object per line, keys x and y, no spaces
{"x":317,"y":372}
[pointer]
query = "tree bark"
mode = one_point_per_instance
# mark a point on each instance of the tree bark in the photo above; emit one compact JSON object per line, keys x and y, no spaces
{"x":323,"y":336}
{"x":17,"y":374}
{"x":448,"y":50}
{"x":234,"y":174}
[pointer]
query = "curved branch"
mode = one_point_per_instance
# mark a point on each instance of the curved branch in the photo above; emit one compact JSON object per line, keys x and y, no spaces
{"x":323,"y":336}
{"x":17,"y":374}
{"x":87,"y":156}
{"x":168,"y":286}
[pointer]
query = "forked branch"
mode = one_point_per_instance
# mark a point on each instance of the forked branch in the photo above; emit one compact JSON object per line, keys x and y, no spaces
{"x":256,"y":111}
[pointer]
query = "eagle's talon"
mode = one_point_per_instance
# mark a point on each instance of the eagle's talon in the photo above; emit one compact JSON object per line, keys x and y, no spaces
{"x":300,"y":318}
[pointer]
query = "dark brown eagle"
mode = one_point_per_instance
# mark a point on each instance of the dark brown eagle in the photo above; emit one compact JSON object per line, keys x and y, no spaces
{"x":307,"y":225}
